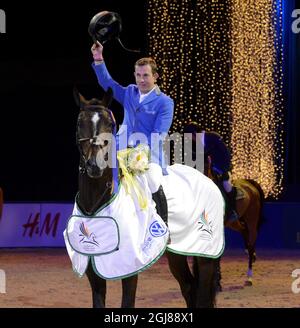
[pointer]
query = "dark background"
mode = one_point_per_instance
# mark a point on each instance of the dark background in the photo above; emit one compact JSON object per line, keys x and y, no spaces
{"x":45,"y":52}
{"x":292,"y":103}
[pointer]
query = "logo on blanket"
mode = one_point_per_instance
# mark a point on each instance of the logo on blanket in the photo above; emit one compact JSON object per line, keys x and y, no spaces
{"x":87,"y":237}
{"x":204,"y":227}
{"x":157,"y":230}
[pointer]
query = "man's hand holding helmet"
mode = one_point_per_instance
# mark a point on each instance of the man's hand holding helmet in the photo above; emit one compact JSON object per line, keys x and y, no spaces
{"x":97,"y":51}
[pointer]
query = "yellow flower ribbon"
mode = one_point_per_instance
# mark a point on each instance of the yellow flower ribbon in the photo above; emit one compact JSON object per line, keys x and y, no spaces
{"x":129,"y":180}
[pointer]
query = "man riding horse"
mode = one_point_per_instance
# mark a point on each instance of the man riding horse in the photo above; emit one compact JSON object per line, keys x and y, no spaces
{"x":147,"y":111}
{"x":218,"y":156}
{"x":114,"y":207}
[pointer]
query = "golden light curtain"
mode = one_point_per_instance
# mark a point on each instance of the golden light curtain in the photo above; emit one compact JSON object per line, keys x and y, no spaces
{"x":189,"y":41}
{"x":257,"y":126}
{"x":218,"y":60}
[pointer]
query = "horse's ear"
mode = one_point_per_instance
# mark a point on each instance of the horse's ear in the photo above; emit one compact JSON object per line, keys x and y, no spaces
{"x":107,"y":99}
{"x":79,"y":99}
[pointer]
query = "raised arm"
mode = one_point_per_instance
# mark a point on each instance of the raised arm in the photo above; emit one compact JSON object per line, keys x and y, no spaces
{"x":103,"y":76}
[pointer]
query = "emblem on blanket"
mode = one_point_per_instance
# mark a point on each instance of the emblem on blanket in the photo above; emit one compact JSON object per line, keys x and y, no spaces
{"x":157,"y":230}
{"x":87,"y":237}
{"x":204,"y":227}
{"x":92,"y":235}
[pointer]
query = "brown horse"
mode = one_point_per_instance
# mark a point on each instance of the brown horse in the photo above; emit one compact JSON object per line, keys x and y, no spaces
{"x":249,"y":204}
{"x":1,"y":202}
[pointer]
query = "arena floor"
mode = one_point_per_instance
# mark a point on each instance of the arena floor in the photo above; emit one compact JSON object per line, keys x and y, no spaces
{"x":43,"y":278}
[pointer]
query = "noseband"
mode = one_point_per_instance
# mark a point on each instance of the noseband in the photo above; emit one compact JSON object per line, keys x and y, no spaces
{"x":92,"y":140}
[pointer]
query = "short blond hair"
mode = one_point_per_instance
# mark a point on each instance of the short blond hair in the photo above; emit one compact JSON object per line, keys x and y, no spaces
{"x":147,"y":61}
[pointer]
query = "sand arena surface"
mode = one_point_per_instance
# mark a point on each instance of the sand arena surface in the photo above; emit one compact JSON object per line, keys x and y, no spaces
{"x":43,"y":278}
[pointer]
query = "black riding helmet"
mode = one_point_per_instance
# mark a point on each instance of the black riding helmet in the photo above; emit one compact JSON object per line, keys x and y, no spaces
{"x":192,"y":127}
{"x":105,"y":26}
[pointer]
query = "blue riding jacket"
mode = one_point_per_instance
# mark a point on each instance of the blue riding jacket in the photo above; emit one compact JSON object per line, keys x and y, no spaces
{"x":153,"y":116}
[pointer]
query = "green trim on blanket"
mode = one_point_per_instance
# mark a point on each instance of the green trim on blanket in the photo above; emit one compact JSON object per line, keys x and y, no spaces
{"x":198,"y":254}
{"x":103,"y":206}
{"x":109,"y":201}
{"x":132,"y":273}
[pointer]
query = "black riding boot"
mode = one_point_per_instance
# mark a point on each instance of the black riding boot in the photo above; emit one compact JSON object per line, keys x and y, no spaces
{"x":160,"y":200}
{"x":231,"y":214}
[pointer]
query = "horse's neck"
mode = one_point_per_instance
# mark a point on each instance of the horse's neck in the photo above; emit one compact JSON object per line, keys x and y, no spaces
{"x":93,"y":193}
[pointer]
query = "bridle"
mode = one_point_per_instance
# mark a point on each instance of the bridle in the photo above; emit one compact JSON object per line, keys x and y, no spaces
{"x":83,"y":159}
{"x":92,"y":140}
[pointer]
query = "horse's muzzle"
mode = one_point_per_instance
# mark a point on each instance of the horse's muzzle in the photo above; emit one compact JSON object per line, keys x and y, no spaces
{"x":93,"y":170}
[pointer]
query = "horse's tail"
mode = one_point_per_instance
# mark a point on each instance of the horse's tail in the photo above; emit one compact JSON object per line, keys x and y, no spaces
{"x":261,"y":219}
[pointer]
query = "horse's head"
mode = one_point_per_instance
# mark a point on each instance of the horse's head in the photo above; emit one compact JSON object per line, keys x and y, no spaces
{"x":95,"y":127}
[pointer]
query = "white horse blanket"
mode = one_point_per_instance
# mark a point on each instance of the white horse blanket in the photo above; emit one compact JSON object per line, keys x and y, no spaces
{"x":196,"y":212}
{"x":121,"y":239}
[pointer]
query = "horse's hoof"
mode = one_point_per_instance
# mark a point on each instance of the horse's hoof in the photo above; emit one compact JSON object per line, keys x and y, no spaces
{"x":248,"y":283}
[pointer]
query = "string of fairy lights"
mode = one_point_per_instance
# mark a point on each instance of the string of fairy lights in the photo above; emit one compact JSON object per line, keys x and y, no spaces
{"x":221,"y":62}
{"x":257,"y":123}
{"x":189,"y":40}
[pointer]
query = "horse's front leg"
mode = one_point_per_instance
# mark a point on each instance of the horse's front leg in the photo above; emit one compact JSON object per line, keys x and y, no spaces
{"x":129,"y":286}
{"x":98,"y":286}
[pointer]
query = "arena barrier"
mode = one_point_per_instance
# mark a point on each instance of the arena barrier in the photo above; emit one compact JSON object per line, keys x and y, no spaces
{"x":42,"y":225}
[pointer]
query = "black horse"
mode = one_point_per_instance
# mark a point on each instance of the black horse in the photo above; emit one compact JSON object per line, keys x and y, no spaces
{"x":95,"y":188}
